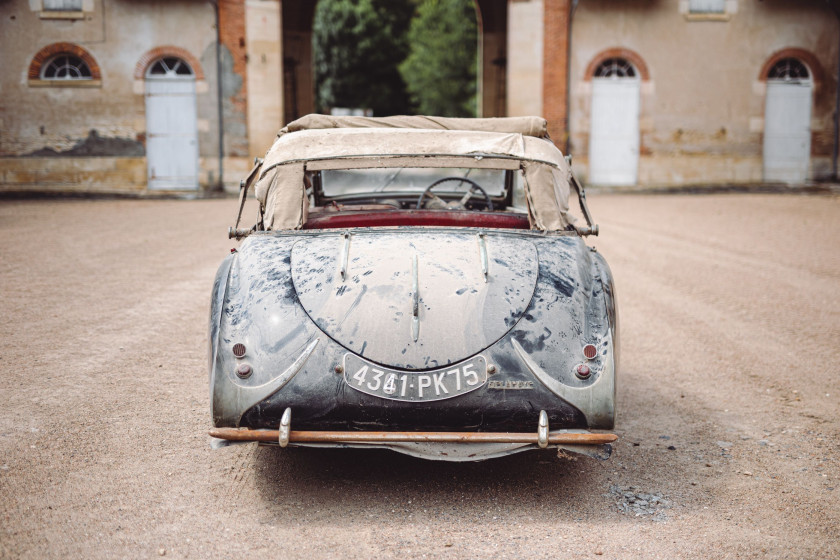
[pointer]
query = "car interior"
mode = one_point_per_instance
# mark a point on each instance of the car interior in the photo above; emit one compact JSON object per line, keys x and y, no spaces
{"x":380,"y":197}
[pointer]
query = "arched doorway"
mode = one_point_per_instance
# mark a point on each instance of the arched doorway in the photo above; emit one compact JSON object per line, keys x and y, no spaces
{"x":614,"y":123}
{"x":787,"y":121}
{"x":298,"y":76}
{"x":171,"y":125}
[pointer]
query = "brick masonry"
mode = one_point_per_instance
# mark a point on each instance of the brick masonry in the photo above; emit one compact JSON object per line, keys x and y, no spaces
{"x":555,"y":71}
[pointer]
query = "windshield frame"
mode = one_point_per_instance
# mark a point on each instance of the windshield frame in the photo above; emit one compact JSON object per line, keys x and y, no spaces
{"x":315,"y":187}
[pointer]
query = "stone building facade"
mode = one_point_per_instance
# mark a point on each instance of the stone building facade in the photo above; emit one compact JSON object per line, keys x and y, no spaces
{"x":122,"y":96}
{"x":682,"y":92}
{"x":146,"y":96}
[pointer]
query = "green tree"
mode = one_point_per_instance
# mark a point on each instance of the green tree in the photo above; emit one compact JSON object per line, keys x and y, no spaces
{"x":358,"y":46}
{"x":440,"y":70}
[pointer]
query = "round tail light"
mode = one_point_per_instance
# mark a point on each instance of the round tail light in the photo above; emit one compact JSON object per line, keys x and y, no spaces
{"x":590,"y":351}
{"x":238,"y":349}
{"x":583,"y":371}
{"x":244,"y":371}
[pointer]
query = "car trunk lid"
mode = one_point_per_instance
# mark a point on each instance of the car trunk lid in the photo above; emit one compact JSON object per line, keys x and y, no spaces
{"x":415,"y":300}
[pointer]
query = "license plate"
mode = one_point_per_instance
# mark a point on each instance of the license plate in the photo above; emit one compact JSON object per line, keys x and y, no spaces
{"x":397,"y":385}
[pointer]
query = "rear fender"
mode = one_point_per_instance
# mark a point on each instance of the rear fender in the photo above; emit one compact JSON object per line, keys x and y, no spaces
{"x":217,"y":302}
{"x":595,"y":401}
{"x":573,"y":306}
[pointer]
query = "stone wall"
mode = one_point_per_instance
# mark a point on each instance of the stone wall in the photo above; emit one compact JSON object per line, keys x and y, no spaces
{"x":64,"y":174}
{"x":265,"y":75}
{"x":525,"y":58}
{"x":702,"y":79}
{"x":91,"y":135}
{"x":703,"y":99}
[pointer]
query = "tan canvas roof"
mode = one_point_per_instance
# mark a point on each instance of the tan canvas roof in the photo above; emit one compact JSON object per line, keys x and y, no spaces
{"x":529,"y":126}
{"x":317,"y":141}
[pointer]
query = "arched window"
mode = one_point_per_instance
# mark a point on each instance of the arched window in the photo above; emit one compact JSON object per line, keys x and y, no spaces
{"x":65,"y":67}
{"x":168,"y":61}
{"x":64,"y":64}
{"x":789,"y":70}
{"x":615,"y":68}
{"x":169,"y":66}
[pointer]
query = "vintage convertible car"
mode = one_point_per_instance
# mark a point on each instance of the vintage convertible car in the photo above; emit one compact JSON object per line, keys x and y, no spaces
{"x":416,"y":284}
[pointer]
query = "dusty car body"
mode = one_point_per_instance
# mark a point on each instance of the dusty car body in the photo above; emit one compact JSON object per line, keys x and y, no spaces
{"x":417,"y":284}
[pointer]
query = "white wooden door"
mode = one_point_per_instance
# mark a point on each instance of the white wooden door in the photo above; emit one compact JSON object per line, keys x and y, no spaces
{"x":614,"y":131}
{"x":787,"y":131}
{"x":171,"y":133}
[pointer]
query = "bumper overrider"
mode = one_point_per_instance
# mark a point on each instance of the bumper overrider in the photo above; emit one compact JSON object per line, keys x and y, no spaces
{"x":506,"y":397}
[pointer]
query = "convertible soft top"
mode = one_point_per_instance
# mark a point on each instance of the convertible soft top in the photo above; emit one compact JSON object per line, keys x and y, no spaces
{"x":317,"y":142}
{"x":528,"y":126}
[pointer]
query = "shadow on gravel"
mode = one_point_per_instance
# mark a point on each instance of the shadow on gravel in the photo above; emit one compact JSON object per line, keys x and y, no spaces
{"x":384,"y":483}
{"x":661,"y":448}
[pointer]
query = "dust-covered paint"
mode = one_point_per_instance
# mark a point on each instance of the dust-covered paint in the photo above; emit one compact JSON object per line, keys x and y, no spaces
{"x":281,"y":291}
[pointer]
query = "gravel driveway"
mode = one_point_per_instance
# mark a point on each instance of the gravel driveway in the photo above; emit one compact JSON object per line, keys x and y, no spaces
{"x":728,"y":402}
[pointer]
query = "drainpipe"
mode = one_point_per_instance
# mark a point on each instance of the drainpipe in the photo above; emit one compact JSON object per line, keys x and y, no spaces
{"x":836,"y":107}
{"x":220,"y":186}
{"x":569,"y":79}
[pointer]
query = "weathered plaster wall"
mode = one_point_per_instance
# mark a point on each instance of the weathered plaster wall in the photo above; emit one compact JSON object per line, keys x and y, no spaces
{"x":234,"y":76}
{"x":106,"y":174}
{"x":54,"y":118}
{"x":702,"y":108}
{"x":107,"y":123}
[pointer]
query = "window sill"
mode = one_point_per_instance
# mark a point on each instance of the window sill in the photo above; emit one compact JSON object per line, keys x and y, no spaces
{"x":66,"y":83}
{"x":56,"y":14}
{"x":698,"y":16}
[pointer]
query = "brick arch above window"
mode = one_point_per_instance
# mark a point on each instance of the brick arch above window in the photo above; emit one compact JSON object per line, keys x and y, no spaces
{"x":618,"y":52}
{"x":50,"y":51}
{"x":159,"y":52}
{"x":809,"y":58}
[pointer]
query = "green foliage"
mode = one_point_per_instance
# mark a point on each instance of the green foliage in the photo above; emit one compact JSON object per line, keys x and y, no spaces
{"x":358,"y":45}
{"x":396,"y":56}
{"x":440,"y":71}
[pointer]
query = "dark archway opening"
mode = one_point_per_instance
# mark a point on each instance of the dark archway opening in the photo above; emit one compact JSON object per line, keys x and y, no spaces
{"x":299,"y":78}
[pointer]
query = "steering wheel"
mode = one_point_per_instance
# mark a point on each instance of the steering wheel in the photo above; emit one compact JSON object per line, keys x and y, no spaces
{"x":439,"y":202}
